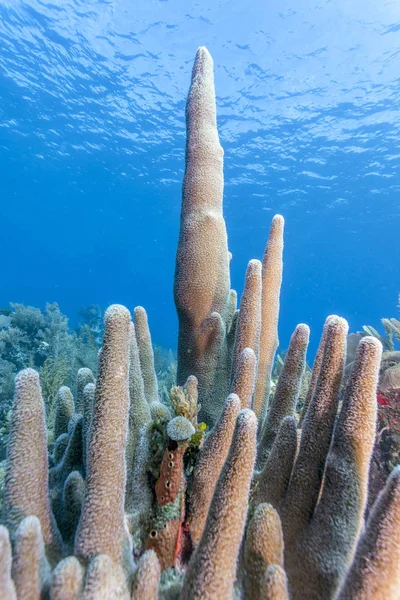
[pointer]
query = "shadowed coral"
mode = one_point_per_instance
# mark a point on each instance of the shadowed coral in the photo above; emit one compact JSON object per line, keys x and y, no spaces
{"x":212,"y":569}
{"x":84,"y":377}
{"x":271,"y":287}
{"x":270,"y":485}
{"x":72,"y":499}
{"x":263,"y":547}
{"x":67,"y":580}
{"x":71,"y":460}
{"x":30,"y":569}
{"x":7,"y":587}
{"x":147,"y":577}
{"x":60,"y":446}
{"x":139,"y":411}
{"x":146,"y":355}
{"x":101,"y":529}
{"x":375,"y":572}
{"x":89,"y":393}
{"x":64,"y":411}
{"x":287,"y":390}
{"x":315,"y":440}
{"x":139,"y":495}
{"x":26,"y":488}
{"x":208,"y":467}
{"x":322,"y":518}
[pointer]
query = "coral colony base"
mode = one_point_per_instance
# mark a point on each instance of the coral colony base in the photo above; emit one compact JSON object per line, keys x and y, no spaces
{"x":222,"y":494}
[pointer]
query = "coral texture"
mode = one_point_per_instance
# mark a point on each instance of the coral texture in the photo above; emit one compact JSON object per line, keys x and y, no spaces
{"x":192,"y":493}
{"x":101,"y":529}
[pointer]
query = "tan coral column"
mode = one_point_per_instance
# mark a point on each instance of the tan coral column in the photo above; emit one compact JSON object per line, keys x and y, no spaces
{"x":101,"y":528}
{"x":202,"y":280}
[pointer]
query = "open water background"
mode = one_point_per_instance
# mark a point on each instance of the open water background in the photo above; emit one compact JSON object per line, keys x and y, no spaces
{"x":92,"y":134}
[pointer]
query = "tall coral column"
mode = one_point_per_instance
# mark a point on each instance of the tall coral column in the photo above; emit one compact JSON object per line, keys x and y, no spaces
{"x":202,"y":283}
{"x":102,"y":529}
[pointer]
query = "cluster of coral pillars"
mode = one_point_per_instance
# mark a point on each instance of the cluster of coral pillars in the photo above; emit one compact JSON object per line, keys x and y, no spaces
{"x":386,"y":453}
{"x":223,"y":493}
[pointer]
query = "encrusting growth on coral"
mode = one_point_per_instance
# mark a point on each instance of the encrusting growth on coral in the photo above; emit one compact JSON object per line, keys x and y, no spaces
{"x":152,"y":497}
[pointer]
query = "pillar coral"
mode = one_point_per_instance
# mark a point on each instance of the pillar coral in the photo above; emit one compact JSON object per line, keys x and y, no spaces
{"x":291,"y":528}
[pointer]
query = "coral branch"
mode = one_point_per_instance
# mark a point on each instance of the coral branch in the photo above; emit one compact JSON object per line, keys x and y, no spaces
{"x":263,"y":548}
{"x":375,"y":572}
{"x":101,"y":529}
{"x":271,"y":287}
{"x":26,"y":483}
{"x":208,"y":467}
{"x":202,"y":279}
{"x":211,"y":571}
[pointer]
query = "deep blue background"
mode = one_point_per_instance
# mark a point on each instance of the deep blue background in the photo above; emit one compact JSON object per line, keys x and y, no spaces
{"x":92,"y":98}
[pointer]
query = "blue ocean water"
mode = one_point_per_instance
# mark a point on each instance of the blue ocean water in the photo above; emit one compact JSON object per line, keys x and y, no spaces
{"x":92,"y":133}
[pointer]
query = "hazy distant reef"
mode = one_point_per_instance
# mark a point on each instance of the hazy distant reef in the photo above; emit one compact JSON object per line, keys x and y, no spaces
{"x":216,"y":490}
{"x":39,"y":339}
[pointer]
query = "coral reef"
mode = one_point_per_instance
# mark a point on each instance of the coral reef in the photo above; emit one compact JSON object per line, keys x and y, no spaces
{"x":386,"y":453}
{"x":42,"y":340}
{"x":209,"y":494}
